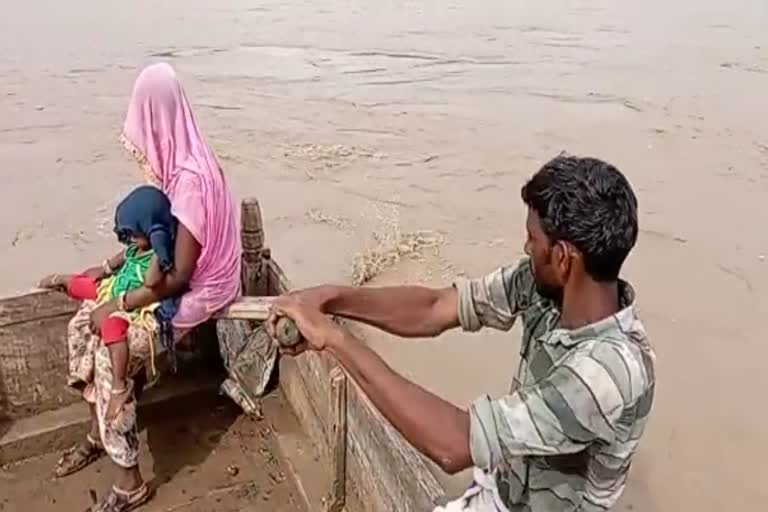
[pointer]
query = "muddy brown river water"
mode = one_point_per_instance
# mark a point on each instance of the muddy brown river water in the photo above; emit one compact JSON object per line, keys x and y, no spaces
{"x":349,"y":118}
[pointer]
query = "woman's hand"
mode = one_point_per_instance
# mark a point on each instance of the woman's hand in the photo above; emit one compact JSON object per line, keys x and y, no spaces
{"x":317,"y":329}
{"x":116,"y":403}
{"x":100,"y":314}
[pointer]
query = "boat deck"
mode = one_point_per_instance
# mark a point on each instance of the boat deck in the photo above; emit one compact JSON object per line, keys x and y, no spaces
{"x":214,"y":459}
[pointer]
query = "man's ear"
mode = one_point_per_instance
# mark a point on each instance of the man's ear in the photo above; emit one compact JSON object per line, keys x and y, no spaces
{"x":563,"y":258}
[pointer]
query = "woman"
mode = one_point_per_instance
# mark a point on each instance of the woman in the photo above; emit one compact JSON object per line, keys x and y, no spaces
{"x":161,"y":133}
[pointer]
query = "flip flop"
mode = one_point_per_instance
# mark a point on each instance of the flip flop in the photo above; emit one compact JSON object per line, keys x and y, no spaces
{"x":118,"y":500}
{"x":78,"y":457}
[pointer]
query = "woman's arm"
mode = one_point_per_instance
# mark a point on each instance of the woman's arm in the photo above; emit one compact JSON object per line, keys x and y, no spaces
{"x":154,"y":275}
{"x":186,"y":255}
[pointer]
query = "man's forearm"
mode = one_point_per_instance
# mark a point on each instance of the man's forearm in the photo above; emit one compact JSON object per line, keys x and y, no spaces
{"x":435,"y":427}
{"x":409,"y":311}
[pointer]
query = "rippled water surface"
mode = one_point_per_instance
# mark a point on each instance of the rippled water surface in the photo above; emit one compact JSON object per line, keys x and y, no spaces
{"x":431,"y":115}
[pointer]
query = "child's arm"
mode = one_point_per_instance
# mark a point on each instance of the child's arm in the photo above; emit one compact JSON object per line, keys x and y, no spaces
{"x":78,"y":287}
{"x":107,"y":267}
{"x":55,"y":282}
{"x":61,"y":281}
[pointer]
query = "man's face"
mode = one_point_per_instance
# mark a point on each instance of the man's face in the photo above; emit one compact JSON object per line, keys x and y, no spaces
{"x":539,"y":248}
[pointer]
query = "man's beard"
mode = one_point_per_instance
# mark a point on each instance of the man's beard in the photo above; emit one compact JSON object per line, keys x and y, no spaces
{"x":552,"y":293}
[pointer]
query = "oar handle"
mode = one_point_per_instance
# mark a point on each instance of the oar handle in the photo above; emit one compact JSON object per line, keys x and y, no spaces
{"x":287,"y":334}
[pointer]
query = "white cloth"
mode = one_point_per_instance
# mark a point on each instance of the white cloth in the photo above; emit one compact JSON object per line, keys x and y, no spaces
{"x":482,"y":496}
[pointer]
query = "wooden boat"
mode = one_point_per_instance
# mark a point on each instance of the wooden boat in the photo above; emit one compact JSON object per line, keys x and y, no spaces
{"x":367,"y":465}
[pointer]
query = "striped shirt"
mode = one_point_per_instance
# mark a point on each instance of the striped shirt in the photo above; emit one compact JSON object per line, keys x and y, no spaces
{"x":563,"y":439}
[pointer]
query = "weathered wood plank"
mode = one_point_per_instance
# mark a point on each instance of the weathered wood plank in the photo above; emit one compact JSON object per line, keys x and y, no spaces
{"x":292,"y":385}
{"x":33,"y":306}
{"x":315,"y":375}
{"x":33,"y":353}
{"x":248,"y":308}
{"x":338,"y":497}
{"x":389,"y":467}
{"x":252,"y":237}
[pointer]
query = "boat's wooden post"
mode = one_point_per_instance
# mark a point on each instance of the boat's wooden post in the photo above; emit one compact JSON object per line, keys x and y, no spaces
{"x":338,"y":496}
{"x":252,"y":235}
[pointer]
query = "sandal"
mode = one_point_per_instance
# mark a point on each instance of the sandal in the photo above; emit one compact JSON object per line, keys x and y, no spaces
{"x":118,"y":500}
{"x":78,"y":457}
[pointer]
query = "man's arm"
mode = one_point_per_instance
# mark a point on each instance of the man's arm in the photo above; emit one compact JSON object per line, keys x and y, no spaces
{"x":408,"y":311}
{"x":493,"y":300}
{"x":435,"y":427}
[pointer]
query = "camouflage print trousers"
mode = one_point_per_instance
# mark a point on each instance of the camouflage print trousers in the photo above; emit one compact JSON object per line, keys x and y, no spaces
{"x":90,"y":364}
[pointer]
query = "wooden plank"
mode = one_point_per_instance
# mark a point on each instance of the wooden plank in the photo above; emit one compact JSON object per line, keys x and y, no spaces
{"x":33,"y":306}
{"x":33,"y":353}
{"x":248,"y":308}
{"x":339,"y":441}
{"x":315,"y":375}
{"x":390,"y":468}
{"x":252,"y":237}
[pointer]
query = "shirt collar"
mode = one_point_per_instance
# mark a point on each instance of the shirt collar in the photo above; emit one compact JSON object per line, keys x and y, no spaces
{"x":621,"y":321}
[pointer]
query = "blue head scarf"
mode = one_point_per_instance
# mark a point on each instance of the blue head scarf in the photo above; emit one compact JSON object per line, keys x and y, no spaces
{"x":146,"y":211}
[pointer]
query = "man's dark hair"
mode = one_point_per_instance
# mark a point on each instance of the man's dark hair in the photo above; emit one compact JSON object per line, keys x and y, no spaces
{"x":590,"y":204}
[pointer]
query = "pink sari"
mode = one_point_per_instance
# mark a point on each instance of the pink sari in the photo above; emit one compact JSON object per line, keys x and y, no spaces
{"x":161,"y":132}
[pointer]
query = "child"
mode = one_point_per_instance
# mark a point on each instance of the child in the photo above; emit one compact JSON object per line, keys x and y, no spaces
{"x":125,"y":271}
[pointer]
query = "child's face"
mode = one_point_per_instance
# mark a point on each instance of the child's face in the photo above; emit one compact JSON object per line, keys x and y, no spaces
{"x":140,"y":242}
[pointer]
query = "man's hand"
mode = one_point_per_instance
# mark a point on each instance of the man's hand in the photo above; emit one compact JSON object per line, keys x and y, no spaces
{"x":100,"y":314}
{"x":316,"y":297}
{"x":317,"y":329}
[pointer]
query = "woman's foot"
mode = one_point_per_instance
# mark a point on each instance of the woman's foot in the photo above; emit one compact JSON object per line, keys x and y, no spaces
{"x":78,"y":457}
{"x":118,"y":500}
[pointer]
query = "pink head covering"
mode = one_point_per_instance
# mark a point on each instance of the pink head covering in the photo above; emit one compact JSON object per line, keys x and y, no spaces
{"x":161,"y":132}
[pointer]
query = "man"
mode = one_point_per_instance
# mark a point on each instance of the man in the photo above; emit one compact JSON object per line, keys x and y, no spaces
{"x":564,"y":437}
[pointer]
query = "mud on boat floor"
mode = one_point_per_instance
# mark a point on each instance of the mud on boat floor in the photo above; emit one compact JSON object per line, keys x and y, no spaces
{"x":213,"y":460}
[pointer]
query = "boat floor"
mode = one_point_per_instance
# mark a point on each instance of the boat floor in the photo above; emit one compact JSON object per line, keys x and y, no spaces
{"x":211,"y":460}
